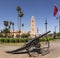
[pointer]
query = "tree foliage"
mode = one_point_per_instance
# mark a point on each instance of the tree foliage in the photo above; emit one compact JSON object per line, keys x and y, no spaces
{"x":6,"y":24}
{"x":6,"y":31}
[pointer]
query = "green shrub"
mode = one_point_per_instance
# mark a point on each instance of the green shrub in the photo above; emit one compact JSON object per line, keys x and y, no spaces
{"x":27,"y":39}
{"x":24,"y":39}
{"x":51,"y":39}
{"x":12,"y":40}
{"x":16,"y":40}
{"x":19,"y":40}
{"x":6,"y":40}
{"x":43,"y":39}
{"x":2,"y":40}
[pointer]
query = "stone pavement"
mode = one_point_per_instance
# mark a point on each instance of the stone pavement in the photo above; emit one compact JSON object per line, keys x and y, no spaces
{"x":54,"y":51}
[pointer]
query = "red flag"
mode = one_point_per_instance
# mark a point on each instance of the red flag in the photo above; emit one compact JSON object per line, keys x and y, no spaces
{"x":55,"y":10}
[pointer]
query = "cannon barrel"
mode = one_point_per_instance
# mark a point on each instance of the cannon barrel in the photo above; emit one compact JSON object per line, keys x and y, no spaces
{"x":36,"y":38}
{"x":43,"y":34}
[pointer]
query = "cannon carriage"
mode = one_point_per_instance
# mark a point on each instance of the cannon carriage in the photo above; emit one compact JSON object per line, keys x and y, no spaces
{"x":34,"y":47}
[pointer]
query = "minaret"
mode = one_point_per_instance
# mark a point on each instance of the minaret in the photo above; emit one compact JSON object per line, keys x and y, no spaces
{"x":32,"y":26}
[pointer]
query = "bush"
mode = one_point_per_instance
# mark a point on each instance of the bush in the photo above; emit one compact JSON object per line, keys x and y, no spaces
{"x":12,"y":40}
{"x":43,"y":39}
{"x":6,"y":40}
{"x":24,"y":40}
{"x":1,"y":40}
{"x":16,"y":40}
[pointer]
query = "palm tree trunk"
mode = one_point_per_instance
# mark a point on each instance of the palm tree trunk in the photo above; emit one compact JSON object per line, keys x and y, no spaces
{"x":20,"y":27}
{"x":13,"y":30}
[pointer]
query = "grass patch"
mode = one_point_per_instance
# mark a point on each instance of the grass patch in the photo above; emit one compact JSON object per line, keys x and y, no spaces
{"x":12,"y":44}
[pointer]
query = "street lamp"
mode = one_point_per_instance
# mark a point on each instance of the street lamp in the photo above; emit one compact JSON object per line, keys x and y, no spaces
{"x":46,"y":27}
{"x":46,"y":24}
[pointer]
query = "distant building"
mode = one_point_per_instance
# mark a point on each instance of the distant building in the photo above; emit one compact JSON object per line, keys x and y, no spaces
{"x":32,"y":29}
{"x":17,"y":33}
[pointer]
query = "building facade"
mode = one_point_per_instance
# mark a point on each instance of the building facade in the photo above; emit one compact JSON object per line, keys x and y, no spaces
{"x":32,"y":29}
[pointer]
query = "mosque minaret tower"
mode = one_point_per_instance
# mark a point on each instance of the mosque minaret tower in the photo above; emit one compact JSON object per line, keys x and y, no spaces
{"x":32,"y":26}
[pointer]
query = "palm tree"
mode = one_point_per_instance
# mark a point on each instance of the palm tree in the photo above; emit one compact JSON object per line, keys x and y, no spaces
{"x":6,"y":24}
{"x":18,"y":8}
{"x":13,"y":27}
{"x":12,"y":23}
{"x":22,"y":26}
{"x":20,"y":14}
{"x":10,"y":27}
{"x":6,"y":30}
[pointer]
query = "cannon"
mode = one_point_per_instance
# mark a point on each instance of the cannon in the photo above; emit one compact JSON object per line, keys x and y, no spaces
{"x":34,"y":47}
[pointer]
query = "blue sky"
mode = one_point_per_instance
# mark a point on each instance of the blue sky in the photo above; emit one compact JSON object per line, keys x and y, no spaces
{"x":40,"y":9}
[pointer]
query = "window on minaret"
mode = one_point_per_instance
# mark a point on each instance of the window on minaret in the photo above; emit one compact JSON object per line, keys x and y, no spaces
{"x":32,"y":25}
{"x":32,"y":20}
{"x":33,"y":29}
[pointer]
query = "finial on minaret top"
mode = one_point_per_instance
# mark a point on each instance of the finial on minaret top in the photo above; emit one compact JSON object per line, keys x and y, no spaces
{"x":32,"y":18}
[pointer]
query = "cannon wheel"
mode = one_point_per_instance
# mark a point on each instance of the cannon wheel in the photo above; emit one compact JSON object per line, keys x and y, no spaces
{"x":45,"y":47}
{"x":41,"y":48}
{"x":33,"y":51}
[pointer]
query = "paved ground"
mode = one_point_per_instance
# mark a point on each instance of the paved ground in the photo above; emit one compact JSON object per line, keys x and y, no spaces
{"x":54,"y":51}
